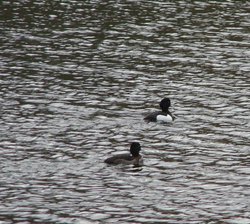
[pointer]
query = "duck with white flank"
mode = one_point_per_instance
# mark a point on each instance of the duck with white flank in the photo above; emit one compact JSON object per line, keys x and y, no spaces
{"x":162,"y":116}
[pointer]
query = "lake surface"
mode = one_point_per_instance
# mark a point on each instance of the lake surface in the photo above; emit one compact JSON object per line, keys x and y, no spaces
{"x":77,"y":78}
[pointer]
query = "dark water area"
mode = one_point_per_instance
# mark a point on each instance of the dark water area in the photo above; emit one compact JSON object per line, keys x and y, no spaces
{"x":77,"y":78}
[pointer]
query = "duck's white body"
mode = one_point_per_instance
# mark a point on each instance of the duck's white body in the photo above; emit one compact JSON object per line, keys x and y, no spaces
{"x":164,"y":118}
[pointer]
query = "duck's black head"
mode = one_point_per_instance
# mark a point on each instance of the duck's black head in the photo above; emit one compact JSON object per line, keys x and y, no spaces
{"x":135,"y":148}
{"x":165,"y":104}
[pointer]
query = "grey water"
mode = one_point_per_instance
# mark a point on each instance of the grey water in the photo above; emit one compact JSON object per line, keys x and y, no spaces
{"x":77,"y":78}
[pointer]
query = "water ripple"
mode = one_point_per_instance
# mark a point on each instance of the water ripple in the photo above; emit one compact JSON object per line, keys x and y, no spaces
{"x":77,"y":78}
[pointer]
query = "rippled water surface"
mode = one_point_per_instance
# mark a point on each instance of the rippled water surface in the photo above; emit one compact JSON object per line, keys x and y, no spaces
{"x":77,"y":77}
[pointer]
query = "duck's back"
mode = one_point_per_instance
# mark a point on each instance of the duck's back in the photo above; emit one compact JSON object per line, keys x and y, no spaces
{"x":152,"y":117}
{"x":125,"y":158}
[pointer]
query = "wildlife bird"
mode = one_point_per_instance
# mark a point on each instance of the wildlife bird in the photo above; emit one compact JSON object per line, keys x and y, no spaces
{"x":162,"y":116}
{"x":133,"y":157}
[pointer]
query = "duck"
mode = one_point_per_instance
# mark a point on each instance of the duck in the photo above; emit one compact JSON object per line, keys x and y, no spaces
{"x":133,"y":157}
{"x":161,"y":116}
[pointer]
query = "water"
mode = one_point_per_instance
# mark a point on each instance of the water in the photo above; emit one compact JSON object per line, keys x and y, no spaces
{"x":77,"y":77}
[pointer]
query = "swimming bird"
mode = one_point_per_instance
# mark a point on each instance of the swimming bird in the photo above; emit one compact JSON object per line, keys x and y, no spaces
{"x":133,"y":157}
{"x":164,"y":115}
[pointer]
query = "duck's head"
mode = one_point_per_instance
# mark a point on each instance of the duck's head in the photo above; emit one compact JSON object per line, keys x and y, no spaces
{"x":165,"y":104}
{"x":135,"y":148}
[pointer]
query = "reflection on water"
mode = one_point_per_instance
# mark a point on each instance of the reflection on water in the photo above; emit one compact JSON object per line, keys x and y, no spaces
{"x":77,"y":79}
